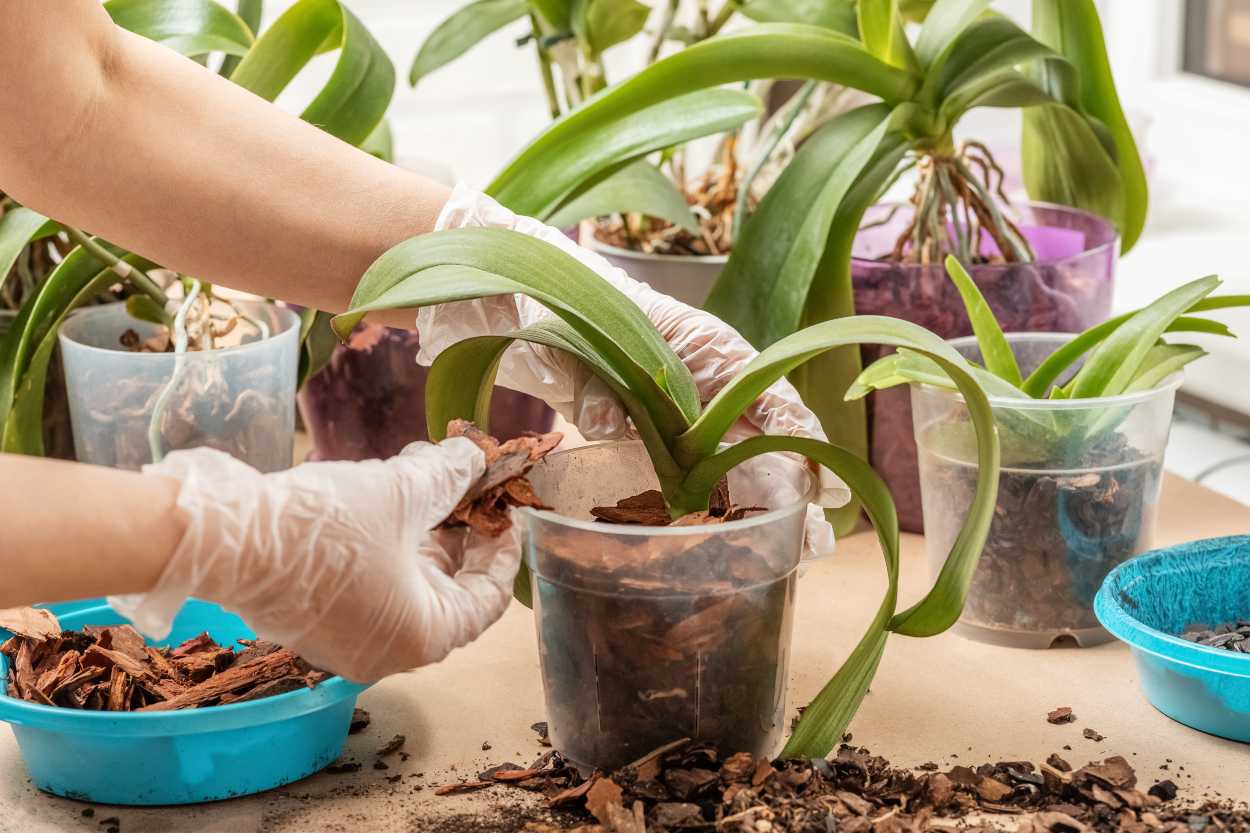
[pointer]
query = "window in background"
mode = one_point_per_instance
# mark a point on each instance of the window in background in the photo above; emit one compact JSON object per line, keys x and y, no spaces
{"x":1217,"y":39}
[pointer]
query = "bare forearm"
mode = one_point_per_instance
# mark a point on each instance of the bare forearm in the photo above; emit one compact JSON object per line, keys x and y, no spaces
{"x":74,"y":531}
{"x":108,"y":131}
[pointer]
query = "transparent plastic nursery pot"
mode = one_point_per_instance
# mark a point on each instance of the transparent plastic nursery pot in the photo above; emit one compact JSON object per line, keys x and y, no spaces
{"x":652,"y":634}
{"x":1066,"y":290}
{"x":238,"y":398}
{"x":1077,"y":496}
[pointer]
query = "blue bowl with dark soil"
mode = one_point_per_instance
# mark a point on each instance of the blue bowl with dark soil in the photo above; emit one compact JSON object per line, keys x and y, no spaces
{"x":1151,"y":601}
{"x":178,"y":757}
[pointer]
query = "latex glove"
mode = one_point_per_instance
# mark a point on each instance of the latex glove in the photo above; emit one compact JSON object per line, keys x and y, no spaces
{"x":712,"y":350}
{"x":336,"y":560}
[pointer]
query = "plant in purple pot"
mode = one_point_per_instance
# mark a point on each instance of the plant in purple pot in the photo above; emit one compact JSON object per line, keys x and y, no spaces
{"x":790,"y":265}
{"x":1083,"y":421}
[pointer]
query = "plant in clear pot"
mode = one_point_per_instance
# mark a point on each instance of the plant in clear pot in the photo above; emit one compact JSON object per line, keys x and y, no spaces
{"x":722,"y":571}
{"x":1083,"y":421}
{"x":791,"y":263}
{"x":1065,"y":287}
{"x":87,"y":271}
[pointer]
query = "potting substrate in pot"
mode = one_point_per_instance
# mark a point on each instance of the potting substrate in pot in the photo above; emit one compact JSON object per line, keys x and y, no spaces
{"x":652,"y":634}
{"x":1067,"y":289}
{"x":368,"y":402}
{"x":238,"y":398}
{"x":1077,"y":496}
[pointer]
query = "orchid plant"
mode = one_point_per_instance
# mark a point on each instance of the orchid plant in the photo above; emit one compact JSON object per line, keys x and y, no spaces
{"x":79,"y":269}
{"x":790,"y":265}
{"x":605,"y":330}
{"x":1124,"y":355}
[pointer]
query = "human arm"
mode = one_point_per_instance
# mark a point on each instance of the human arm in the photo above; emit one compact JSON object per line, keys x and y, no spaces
{"x":73,"y":532}
{"x":340,"y":562}
{"x":116,"y":134}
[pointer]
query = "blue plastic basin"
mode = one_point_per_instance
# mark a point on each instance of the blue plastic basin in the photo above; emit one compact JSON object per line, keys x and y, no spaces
{"x":179,"y":757}
{"x":1148,"y":601}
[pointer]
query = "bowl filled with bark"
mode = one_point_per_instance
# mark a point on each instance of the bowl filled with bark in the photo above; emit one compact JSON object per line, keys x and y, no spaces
{"x":1185,"y":612}
{"x":209,"y":713}
{"x":650,"y":632}
{"x":1077,"y":496}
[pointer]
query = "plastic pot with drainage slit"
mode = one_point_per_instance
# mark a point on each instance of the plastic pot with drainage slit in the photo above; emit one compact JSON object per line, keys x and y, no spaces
{"x":652,"y":634}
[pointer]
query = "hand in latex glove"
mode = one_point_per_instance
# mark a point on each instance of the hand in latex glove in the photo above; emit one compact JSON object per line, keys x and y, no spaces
{"x":712,"y":350}
{"x":336,"y":561}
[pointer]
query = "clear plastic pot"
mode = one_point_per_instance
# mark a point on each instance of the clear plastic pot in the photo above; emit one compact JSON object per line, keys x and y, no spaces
{"x":238,"y":399}
{"x":1077,"y":496}
{"x":1067,"y":290}
{"x":58,"y":438}
{"x":651,"y":634}
{"x":369,"y":401}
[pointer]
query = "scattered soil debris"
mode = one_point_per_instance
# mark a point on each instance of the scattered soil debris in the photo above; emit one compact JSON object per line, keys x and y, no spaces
{"x":1061,"y":715}
{"x":687,"y":786}
{"x":1231,"y":636}
{"x":392,"y":746}
{"x":484,"y":508}
{"x":360,"y":721}
{"x":1092,"y":734}
{"x":343,"y":768}
{"x":541,"y":729}
{"x":110,"y":668}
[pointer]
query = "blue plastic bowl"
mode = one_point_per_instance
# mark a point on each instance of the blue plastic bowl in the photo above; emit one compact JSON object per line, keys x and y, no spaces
{"x":1148,"y":600}
{"x":179,"y":757}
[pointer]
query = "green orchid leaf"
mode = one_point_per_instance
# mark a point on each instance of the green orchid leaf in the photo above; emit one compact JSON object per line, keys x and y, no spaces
{"x":639,"y":187}
{"x":558,"y":14}
{"x":1073,"y":29}
{"x":763,"y":51}
{"x":462,"y":264}
{"x":189,"y":27}
{"x":27,"y":348}
{"x":786,"y":235}
{"x":984,"y":48}
{"x":602,"y":24}
{"x":602,"y":149}
{"x":463,"y":30}
{"x":19,"y":227}
{"x":996,"y":353}
{"x":822,"y":380}
{"x":381,"y":142}
{"x":317,"y":344}
{"x":838,"y":15}
{"x":1163,"y":361}
{"x":143,"y":308}
{"x":1004,"y":88}
{"x":1058,"y":362}
{"x":882,"y":32}
{"x":942,"y":26}
{"x":1066,"y":162}
{"x":1116,"y":361}
{"x":907,"y":367}
{"x":354,"y":99}
{"x":251,"y":12}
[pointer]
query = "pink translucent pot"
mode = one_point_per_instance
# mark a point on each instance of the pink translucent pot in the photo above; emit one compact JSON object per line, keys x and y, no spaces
{"x":369,"y":401}
{"x":1068,"y":290}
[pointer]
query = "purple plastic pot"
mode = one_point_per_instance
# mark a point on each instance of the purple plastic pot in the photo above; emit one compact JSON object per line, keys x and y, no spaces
{"x":369,"y":401}
{"x":1067,"y":289}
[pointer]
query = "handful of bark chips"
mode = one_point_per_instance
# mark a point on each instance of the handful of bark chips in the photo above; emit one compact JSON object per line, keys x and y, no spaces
{"x":484,"y":508}
{"x":111,"y":668}
{"x":687,"y":786}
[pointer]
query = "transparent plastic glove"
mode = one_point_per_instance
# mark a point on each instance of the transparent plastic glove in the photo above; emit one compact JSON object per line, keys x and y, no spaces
{"x":336,"y":561}
{"x":712,"y":350}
